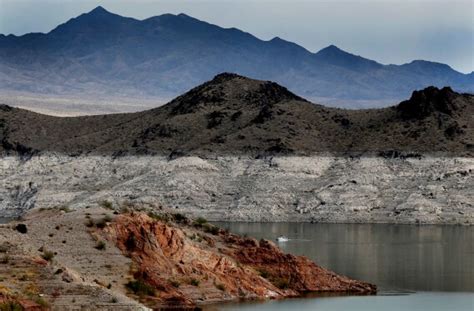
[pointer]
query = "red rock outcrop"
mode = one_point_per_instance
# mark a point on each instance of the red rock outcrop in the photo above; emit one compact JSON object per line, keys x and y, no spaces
{"x":187,"y":266}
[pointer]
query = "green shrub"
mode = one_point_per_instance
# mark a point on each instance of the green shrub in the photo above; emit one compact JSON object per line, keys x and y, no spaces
{"x":263,"y":273}
{"x":43,"y":303}
{"x":10,"y":306}
{"x":220,"y":287}
{"x":5,"y":259}
{"x":140,"y":288}
{"x":100,"y":245}
{"x":48,"y":255}
{"x":106,"y":204}
{"x":194,"y":282}
{"x":210,"y":229}
{"x":175,"y":283}
{"x":198,"y":222}
{"x":102,"y":222}
{"x":89,"y":223}
{"x":160,"y":217}
{"x":180,"y":218}
{"x":281,"y":283}
{"x":65,"y":209}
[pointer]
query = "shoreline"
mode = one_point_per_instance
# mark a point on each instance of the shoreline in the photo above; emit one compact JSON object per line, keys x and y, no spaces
{"x":134,"y":261}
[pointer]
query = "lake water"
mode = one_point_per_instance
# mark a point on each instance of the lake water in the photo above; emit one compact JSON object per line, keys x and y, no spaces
{"x":414,"y":267}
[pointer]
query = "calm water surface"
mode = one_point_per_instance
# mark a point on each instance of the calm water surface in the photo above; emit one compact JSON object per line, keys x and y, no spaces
{"x":414,"y":267}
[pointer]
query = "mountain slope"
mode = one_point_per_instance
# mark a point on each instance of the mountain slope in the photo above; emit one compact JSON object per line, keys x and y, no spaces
{"x":102,"y":53}
{"x":232,"y":114}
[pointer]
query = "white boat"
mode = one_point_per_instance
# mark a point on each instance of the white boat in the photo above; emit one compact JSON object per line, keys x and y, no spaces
{"x":282,"y":238}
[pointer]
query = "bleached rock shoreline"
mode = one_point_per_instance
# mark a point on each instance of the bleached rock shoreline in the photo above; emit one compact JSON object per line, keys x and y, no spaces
{"x":430,"y":190}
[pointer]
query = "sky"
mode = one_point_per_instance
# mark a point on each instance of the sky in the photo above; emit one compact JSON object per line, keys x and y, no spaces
{"x":388,"y":31}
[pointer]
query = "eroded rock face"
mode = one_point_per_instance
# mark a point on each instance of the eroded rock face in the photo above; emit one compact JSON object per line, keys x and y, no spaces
{"x":19,"y":197}
{"x":422,"y":189}
{"x":187,"y":265}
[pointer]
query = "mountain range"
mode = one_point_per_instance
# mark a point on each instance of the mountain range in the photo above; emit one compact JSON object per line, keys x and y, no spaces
{"x":235,"y":115}
{"x":101,"y":54}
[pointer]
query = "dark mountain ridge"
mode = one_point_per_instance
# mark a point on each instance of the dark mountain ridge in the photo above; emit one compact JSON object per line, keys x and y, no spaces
{"x":235,"y":115}
{"x":101,"y":53}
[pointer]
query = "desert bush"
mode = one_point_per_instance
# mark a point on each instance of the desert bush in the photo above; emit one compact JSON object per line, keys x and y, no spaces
{"x":47,"y":255}
{"x":5,"y":259}
{"x":102,"y":222}
{"x":210,"y":228}
{"x":198,"y":222}
{"x":10,"y":306}
{"x":89,"y":223}
{"x":106,"y":204}
{"x":4,"y":247}
{"x":42,"y":303}
{"x":140,"y":287}
{"x":175,"y":283}
{"x":263,"y":273}
{"x":180,"y":218}
{"x":220,"y":287}
{"x":65,"y":209}
{"x":194,"y":282}
{"x":281,"y":283}
{"x":21,"y":228}
{"x":160,"y":217}
{"x":131,"y":242}
{"x":100,"y":245}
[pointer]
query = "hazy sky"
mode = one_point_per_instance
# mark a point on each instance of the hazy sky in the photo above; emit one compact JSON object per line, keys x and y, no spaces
{"x":384,"y":30}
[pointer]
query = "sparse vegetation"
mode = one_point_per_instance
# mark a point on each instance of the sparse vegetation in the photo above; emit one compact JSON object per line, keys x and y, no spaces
{"x":281,"y":283}
{"x":180,"y":218}
{"x":140,"y":288}
{"x":47,"y":255}
{"x":175,"y":283}
{"x":131,"y":242}
{"x":21,"y":228}
{"x":210,"y":228}
{"x":43,"y":303}
{"x":160,"y":217}
{"x":106,"y":204}
{"x":263,"y":273}
{"x":103,"y":222}
{"x":10,"y":306}
{"x":100,"y":245}
{"x":4,"y":247}
{"x":220,"y":287}
{"x":198,"y":222}
{"x":194,"y":282}
{"x":5,"y":259}
{"x":89,"y":223}
{"x":65,"y":209}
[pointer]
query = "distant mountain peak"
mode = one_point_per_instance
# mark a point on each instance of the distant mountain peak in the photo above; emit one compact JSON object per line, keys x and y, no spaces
{"x":98,"y":10}
{"x":99,"y":19}
{"x":335,"y":51}
{"x":331,"y":48}
{"x":336,"y":56}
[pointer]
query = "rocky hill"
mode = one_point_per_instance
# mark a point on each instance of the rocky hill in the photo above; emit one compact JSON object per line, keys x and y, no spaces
{"x":235,"y":115}
{"x":92,"y":259}
{"x":102,"y":54}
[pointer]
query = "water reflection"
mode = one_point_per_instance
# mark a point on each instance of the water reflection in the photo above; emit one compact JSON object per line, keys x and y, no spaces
{"x":395,"y":257}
